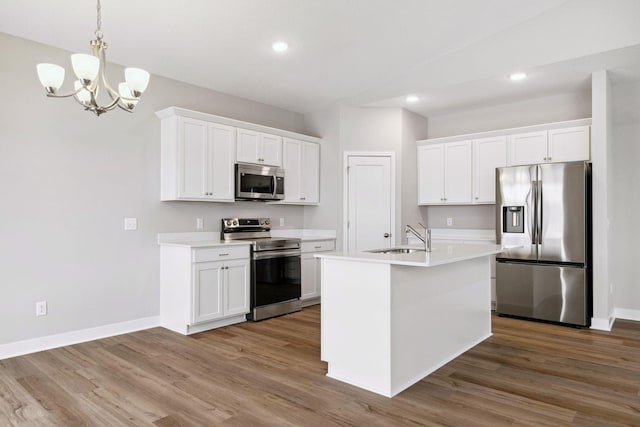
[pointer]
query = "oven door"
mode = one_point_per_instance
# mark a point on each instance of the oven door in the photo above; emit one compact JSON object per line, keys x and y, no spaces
{"x":276,"y":277}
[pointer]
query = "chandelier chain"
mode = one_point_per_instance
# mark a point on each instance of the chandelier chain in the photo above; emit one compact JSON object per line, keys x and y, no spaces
{"x":98,"y":32}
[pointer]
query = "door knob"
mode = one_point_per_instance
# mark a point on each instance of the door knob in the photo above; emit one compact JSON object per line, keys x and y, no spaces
{"x":386,"y":235}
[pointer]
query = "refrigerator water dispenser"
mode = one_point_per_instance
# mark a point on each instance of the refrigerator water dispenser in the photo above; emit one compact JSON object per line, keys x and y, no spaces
{"x":513,"y":219}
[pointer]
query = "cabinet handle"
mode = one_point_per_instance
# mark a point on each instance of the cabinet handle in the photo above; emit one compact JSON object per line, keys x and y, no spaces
{"x":223,"y":254}
{"x":303,"y":198}
{"x":476,"y":198}
{"x":317,"y":247}
{"x":549,"y":158}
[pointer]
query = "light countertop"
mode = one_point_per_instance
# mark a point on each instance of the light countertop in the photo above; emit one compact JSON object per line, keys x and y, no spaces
{"x":196,"y":240}
{"x":442,"y":253}
{"x":304,"y":234}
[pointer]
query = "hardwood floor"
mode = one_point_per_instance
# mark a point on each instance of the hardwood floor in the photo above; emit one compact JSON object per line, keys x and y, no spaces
{"x":270,"y":374}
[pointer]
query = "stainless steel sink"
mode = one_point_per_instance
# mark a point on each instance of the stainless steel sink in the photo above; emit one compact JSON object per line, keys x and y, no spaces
{"x":396,"y":251}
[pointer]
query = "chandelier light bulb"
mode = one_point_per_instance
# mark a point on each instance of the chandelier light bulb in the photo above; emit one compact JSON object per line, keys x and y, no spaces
{"x":137,"y":80}
{"x":86,"y":67}
{"x":51,"y":76}
{"x":82,"y":95}
{"x":127,"y":97}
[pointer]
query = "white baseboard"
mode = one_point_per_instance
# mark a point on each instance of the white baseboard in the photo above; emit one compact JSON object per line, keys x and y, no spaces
{"x":627,"y":314}
{"x":20,"y":348}
{"x":602,"y":324}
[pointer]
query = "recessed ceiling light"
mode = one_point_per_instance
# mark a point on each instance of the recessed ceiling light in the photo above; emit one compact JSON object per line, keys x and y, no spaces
{"x":518,"y":76}
{"x":280,"y":46}
{"x":411,"y":99}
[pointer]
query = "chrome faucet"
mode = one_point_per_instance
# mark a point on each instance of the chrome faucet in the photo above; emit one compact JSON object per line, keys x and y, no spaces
{"x":426,"y":239}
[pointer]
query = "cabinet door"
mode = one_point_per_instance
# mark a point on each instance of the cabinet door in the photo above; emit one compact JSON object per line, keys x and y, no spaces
{"x":310,"y":281}
{"x":221,"y":165}
{"x":270,"y":152}
{"x":431,"y":174}
{"x":457,"y":172}
{"x":528,"y":148}
{"x":488,"y":154}
{"x":247,"y":145}
{"x":310,"y":177}
{"x":569,"y":144}
{"x":236,"y":287}
{"x":292,"y":168}
{"x":192,"y":155}
{"x":206,"y":292}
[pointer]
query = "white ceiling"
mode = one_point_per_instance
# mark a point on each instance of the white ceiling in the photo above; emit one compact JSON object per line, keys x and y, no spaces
{"x":454,"y":54}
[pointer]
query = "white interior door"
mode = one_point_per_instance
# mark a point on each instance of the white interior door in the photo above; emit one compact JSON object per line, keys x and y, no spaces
{"x":370,"y":203}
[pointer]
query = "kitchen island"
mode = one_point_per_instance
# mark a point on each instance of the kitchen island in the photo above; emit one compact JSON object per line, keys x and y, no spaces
{"x":389,"y":320}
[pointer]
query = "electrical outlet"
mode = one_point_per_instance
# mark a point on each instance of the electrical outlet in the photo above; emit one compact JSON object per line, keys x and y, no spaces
{"x":449,"y":222}
{"x":131,"y":223}
{"x":200,"y":223}
{"x":610,"y":288}
{"x":41,"y":308}
{"x":281,"y":222}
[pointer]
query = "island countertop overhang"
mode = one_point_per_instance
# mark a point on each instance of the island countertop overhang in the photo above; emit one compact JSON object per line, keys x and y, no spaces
{"x":443,"y":253}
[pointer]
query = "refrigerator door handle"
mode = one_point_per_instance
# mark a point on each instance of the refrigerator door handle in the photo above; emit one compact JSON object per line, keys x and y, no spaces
{"x":534,"y":216}
{"x":539,"y":214}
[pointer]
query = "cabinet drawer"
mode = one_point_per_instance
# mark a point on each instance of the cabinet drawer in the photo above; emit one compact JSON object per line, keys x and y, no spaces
{"x":219,"y":253}
{"x":318,"y":246}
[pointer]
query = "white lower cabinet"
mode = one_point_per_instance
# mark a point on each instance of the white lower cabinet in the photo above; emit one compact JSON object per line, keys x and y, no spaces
{"x":311,"y":269}
{"x":203,"y":288}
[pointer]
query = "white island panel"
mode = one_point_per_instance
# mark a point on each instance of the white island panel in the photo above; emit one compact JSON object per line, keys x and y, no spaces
{"x":389,"y":321}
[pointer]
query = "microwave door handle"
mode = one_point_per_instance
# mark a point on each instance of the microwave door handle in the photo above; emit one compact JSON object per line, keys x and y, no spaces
{"x":275,"y":185}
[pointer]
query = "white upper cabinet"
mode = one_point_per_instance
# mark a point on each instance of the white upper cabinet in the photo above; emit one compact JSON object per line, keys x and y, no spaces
{"x":259,"y":148}
{"x":301,"y":162}
{"x":488,"y":154}
{"x":528,"y":148}
{"x":457,"y":172}
{"x":569,"y":144}
{"x":197,"y":160}
{"x":431,"y":174}
{"x":444,"y":173}
{"x":552,"y":146}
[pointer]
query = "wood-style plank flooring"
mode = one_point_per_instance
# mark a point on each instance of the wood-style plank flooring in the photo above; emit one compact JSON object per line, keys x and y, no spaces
{"x":270,"y":374}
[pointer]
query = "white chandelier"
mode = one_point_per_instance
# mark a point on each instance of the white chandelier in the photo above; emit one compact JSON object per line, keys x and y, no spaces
{"x":90,"y":69}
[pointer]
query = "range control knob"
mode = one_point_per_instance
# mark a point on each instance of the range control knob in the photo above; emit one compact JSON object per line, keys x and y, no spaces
{"x":235,"y":222}
{"x":227,"y":222}
{"x":266,"y":221}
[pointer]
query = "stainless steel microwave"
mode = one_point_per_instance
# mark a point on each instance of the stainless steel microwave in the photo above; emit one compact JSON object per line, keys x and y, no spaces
{"x":255,"y":182}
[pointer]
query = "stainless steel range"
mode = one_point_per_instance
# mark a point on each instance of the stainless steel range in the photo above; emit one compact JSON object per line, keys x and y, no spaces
{"x":275,"y":267}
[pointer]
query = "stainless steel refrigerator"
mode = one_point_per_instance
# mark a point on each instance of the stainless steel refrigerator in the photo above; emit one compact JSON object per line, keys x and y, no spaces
{"x":543,"y":212}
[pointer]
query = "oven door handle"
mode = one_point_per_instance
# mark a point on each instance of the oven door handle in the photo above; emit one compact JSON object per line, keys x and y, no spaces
{"x":277,"y":254}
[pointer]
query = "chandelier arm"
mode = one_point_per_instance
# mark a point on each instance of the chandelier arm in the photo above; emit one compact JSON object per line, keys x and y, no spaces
{"x":125,"y":108}
{"x":66,"y":95}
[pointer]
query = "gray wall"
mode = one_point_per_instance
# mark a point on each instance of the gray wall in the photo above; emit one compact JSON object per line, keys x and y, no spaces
{"x":626,"y":196}
{"x":67,"y":179}
{"x":555,"y":108}
{"x":347,"y":128}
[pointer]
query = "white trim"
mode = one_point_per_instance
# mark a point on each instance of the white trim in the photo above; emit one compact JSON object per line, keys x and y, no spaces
{"x":183,"y":112}
{"x":627,"y":314}
{"x":505,"y":132}
{"x":602,"y":324}
{"x":345,"y":191}
{"x":20,"y":348}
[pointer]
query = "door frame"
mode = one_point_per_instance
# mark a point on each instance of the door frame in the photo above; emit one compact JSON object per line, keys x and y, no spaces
{"x":345,"y":191}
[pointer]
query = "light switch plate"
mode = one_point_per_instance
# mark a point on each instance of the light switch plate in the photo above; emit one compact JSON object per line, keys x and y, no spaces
{"x":131,"y":223}
{"x":200,"y":223}
{"x":449,"y":222}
